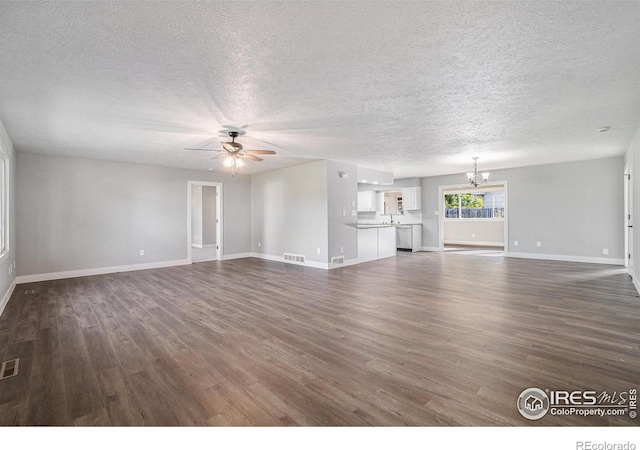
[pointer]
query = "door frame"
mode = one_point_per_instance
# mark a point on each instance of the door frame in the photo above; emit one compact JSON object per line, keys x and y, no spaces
{"x":628,"y":217}
{"x":441,"y":213}
{"x":219,"y":211}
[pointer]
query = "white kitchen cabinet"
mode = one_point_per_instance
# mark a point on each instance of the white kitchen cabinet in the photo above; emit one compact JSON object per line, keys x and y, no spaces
{"x":367,"y":244}
{"x":386,"y":242}
{"x":367,"y":201}
{"x":376,"y":242}
{"x":412,"y":198}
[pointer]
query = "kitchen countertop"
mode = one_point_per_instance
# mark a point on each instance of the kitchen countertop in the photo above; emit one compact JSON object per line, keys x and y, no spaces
{"x":384,"y":225}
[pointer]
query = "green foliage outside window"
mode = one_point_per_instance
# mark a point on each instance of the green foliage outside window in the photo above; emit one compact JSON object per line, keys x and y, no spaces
{"x":468,"y":200}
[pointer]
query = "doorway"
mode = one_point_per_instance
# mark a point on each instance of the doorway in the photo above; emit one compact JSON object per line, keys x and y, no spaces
{"x":474,"y":218}
{"x":204,"y":221}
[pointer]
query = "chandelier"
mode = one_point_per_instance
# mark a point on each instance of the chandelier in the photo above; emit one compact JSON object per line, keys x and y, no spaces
{"x":473,"y":176}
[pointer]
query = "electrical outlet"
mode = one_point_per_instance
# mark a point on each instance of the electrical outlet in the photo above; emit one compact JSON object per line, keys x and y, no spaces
{"x":473,"y":235}
{"x":341,"y":249}
{"x":344,"y":213}
{"x":353,"y":204}
{"x":318,"y":250}
{"x":437,"y":213}
{"x":605,"y":251}
{"x":259,"y":244}
{"x":354,"y":213}
{"x":141,"y":252}
{"x":515,"y":243}
{"x":538,"y":244}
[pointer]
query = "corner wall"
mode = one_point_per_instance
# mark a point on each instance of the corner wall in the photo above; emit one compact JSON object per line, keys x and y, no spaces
{"x":7,"y":280}
{"x":79,"y":214}
{"x":303,"y":209}
{"x":342,"y":204}
{"x":574,"y":209}
{"x":289,"y":213}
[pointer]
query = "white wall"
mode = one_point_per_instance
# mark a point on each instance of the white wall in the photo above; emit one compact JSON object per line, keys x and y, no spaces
{"x":289,"y":210}
{"x":341,"y":202}
{"x":76,"y":213}
{"x":486,"y":231}
{"x":574,"y":209}
{"x":6,"y":279}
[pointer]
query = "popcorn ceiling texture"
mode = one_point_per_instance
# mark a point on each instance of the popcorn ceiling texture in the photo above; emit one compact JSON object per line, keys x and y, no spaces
{"x":416,"y":88}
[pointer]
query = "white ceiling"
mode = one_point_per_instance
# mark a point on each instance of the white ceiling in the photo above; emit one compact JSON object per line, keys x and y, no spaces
{"x":416,"y":88}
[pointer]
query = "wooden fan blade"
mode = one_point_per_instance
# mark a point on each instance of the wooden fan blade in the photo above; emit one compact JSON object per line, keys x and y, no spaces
{"x":261,"y":152}
{"x":228,"y":147}
{"x":251,"y":157}
{"x":204,"y":149}
{"x":224,"y":155}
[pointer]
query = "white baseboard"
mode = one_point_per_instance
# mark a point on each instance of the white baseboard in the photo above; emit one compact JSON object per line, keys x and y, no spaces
{"x":347,"y":262}
{"x":568,"y":258}
{"x":208,"y":245}
{"x":430,"y":249}
{"x":236,"y":256}
{"x":478,"y":243}
{"x":7,"y":296}
{"x":636,"y":284}
{"x":193,"y":244}
{"x":97,"y":271}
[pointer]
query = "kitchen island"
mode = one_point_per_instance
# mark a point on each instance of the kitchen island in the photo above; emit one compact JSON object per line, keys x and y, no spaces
{"x":376,"y":242}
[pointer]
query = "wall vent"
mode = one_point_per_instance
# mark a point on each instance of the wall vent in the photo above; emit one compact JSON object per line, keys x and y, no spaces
{"x":290,"y":257}
{"x":9,"y":368}
{"x":337,"y":260}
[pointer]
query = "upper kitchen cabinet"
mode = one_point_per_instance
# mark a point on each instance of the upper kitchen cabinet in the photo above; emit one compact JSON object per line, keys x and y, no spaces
{"x":367,"y":201}
{"x":412,"y":198}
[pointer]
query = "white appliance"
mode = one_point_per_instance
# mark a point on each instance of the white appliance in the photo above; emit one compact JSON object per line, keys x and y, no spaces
{"x":404,"y":237}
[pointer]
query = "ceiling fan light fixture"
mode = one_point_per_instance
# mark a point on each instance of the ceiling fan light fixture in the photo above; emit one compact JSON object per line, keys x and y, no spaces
{"x":235,"y":153}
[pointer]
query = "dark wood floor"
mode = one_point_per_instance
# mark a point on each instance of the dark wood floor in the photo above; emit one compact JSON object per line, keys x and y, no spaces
{"x":420,"y":339}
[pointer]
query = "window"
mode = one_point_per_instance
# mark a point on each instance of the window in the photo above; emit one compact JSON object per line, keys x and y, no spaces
{"x":474,"y":205}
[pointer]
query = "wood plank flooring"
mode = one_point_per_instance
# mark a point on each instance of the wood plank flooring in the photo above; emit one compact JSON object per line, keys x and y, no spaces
{"x":420,"y":339}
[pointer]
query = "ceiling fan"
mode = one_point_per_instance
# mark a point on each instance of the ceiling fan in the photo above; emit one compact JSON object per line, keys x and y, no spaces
{"x":234,"y":153}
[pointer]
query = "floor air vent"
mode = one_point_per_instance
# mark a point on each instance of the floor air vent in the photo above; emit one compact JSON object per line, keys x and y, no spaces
{"x":30,"y":292}
{"x":9,"y":369}
{"x":337,"y":260}
{"x":290,"y":257}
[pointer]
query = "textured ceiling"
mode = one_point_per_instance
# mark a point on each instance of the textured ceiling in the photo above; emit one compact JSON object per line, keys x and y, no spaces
{"x":416,"y":88}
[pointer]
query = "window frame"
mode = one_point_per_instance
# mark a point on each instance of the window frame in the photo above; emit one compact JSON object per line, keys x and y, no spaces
{"x":472,"y":191}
